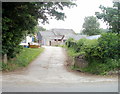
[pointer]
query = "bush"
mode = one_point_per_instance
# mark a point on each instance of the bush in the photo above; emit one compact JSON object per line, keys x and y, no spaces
{"x":103,"y":54}
{"x":109,"y":44}
{"x":79,"y":45}
{"x":107,"y":47}
{"x":68,"y":42}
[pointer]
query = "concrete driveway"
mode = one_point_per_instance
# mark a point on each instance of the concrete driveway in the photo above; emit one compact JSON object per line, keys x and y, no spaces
{"x":47,"y":73}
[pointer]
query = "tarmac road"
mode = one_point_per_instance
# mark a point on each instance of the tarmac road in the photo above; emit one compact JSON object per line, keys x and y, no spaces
{"x":47,"y":73}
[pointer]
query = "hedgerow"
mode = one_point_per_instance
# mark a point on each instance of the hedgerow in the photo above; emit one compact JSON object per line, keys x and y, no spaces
{"x":103,"y":54}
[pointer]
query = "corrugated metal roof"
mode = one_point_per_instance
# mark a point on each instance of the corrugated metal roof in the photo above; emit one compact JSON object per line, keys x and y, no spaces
{"x":75,"y":36}
{"x":93,"y":37}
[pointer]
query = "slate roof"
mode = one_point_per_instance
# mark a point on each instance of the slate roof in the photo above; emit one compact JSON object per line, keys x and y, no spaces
{"x":46,"y":34}
{"x":62,"y":31}
{"x":58,"y":34}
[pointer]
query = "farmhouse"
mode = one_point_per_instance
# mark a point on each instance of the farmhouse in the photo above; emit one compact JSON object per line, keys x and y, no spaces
{"x":57,"y":36}
{"x":54,"y":37}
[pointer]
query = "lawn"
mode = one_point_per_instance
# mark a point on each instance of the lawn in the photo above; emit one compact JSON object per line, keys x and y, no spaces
{"x":23,"y":59}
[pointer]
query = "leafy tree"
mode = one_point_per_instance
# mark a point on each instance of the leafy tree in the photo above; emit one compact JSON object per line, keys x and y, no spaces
{"x":111,"y":15}
{"x":40,"y":28}
{"x":91,"y":26}
{"x":20,"y":18}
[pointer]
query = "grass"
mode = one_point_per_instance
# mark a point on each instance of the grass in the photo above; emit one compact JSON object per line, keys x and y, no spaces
{"x":23,"y":59}
{"x":72,"y":53}
{"x":95,"y":66}
{"x":62,"y":46}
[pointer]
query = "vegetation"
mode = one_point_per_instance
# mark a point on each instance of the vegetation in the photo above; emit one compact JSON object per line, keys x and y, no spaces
{"x":91,"y":26}
{"x":40,"y":28}
{"x":20,"y":19}
{"x":102,"y":54}
{"x":111,"y":15}
{"x":23,"y":59}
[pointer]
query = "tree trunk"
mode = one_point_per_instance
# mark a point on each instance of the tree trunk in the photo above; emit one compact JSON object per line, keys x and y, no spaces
{"x":4,"y":58}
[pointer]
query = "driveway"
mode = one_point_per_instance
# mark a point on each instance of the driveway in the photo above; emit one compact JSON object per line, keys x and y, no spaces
{"x":47,"y":73}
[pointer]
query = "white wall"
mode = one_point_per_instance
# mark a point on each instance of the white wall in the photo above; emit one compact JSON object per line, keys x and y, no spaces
{"x":28,"y":40}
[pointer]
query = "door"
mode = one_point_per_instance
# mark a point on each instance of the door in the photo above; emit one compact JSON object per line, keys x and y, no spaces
{"x":50,"y":43}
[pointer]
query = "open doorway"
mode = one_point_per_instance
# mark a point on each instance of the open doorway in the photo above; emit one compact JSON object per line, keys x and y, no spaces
{"x":50,"y":43}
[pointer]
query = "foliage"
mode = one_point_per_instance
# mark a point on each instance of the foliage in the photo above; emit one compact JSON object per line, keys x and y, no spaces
{"x":106,"y":48}
{"x":79,"y":47}
{"x":20,"y":19}
{"x":40,"y":28}
{"x":109,"y":44}
{"x":91,"y":26}
{"x":96,"y":67}
{"x":111,"y":15}
{"x":104,"y":30}
{"x":22,"y":59}
{"x":103,"y":54}
{"x":68,"y":43}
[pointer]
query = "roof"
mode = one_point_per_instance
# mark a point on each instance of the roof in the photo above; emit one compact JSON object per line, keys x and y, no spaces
{"x":58,"y":34}
{"x":47,"y":34}
{"x":75,"y":36}
{"x":62,"y":31}
{"x":93,"y":37}
{"x":55,"y":33}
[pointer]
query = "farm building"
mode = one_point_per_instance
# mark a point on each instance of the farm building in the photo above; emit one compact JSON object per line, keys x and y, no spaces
{"x":54,"y":37}
{"x":57,"y":36}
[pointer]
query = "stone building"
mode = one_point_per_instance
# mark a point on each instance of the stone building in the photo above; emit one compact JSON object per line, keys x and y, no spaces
{"x":57,"y":36}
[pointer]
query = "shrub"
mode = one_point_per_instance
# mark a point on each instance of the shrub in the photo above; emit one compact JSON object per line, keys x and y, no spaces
{"x":109,"y":44}
{"x":103,"y":54}
{"x":80,"y":44}
{"x":107,"y":47}
{"x":68,"y":42}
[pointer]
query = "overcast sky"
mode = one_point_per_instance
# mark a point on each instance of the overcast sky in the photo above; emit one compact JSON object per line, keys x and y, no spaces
{"x":76,"y":15}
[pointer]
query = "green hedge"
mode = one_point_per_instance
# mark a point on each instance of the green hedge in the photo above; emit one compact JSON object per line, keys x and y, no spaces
{"x":103,"y":54}
{"x":107,"y":47}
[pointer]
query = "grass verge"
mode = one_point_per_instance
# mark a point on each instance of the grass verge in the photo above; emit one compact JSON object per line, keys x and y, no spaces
{"x":108,"y":68}
{"x":23,"y":59}
{"x":95,"y":66}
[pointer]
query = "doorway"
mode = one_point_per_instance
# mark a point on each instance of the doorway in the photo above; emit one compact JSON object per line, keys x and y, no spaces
{"x":50,"y":43}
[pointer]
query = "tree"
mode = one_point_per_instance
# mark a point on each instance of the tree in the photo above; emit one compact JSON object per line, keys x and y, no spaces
{"x":20,"y":18}
{"x":40,"y":28}
{"x":91,"y":26}
{"x":111,"y":15}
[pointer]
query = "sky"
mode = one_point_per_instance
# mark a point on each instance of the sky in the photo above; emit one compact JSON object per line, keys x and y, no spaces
{"x":76,"y":15}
